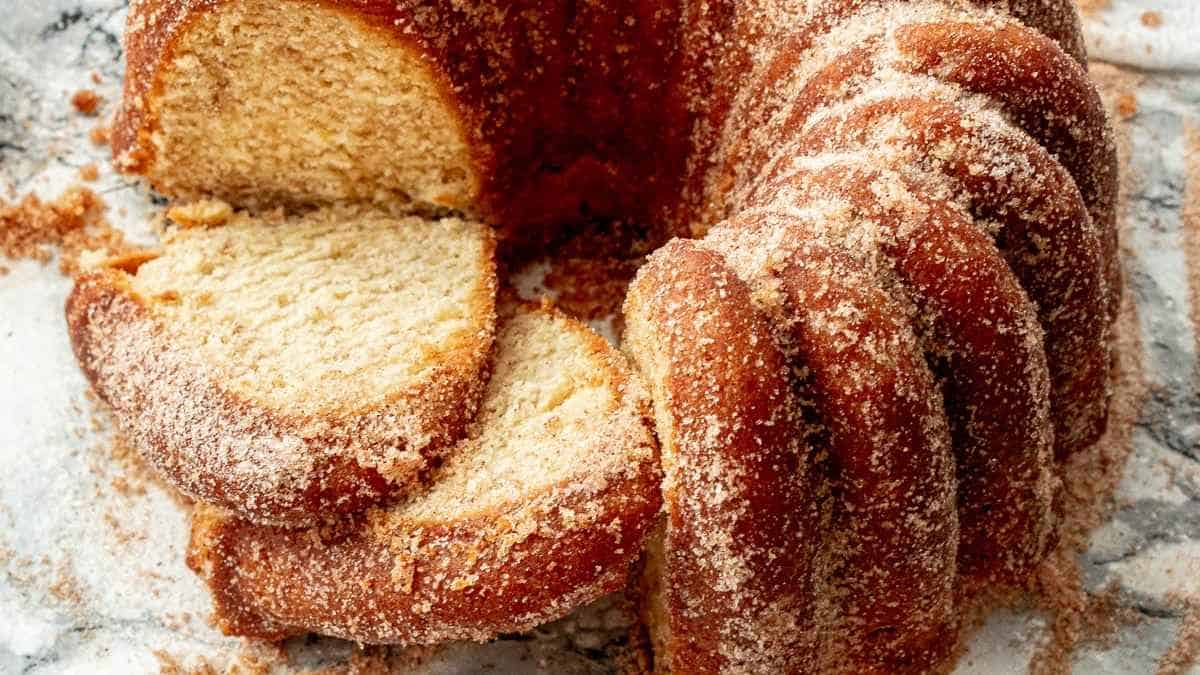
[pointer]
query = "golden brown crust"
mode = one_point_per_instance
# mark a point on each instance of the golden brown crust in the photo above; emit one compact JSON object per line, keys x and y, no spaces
{"x":984,"y":338}
{"x":265,"y":464}
{"x":741,"y":516}
{"x":778,"y":41}
{"x":384,"y":577}
{"x":887,"y":567}
{"x":1059,"y":107}
{"x":891,"y":73}
{"x":1045,"y":231}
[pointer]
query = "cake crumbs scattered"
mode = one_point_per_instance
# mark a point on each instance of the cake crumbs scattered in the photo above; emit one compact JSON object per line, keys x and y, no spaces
{"x":86,"y":102}
{"x":203,"y":213}
{"x":73,"y":223}
{"x":89,"y":172}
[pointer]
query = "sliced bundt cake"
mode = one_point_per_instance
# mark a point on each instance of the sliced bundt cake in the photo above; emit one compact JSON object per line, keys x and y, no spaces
{"x":542,"y":507}
{"x":292,"y":369}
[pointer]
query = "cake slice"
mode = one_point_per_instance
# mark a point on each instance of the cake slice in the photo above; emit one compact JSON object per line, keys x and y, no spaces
{"x":293,"y":368}
{"x":298,"y":103}
{"x":543,"y":507}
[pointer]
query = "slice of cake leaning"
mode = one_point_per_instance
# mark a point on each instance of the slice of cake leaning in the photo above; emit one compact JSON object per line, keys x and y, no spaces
{"x":293,"y":368}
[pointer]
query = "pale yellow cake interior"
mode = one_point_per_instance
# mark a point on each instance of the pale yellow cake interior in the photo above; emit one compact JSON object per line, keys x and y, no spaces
{"x":268,"y":103}
{"x":550,"y":412}
{"x":329,"y":312}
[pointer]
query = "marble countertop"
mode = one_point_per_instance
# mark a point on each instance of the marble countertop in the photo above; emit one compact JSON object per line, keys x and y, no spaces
{"x":92,"y":578}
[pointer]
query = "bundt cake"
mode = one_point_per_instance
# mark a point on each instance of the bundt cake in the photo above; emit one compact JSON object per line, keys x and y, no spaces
{"x":292,"y":369}
{"x":886,"y":323}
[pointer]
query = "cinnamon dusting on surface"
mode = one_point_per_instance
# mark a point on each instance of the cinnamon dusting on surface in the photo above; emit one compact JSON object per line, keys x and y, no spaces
{"x":1190,"y":218}
{"x":1126,"y":106}
{"x":134,"y":475}
{"x":73,"y":223}
{"x":115,"y":460}
{"x":54,"y":578}
{"x":1090,"y":478}
{"x":169,"y":664}
{"x":1078,"y":617}
{"x":1090,"y":7}
{"x":254,"y":658}
{"x":1184,"y":652}
{"x":66,"y":586}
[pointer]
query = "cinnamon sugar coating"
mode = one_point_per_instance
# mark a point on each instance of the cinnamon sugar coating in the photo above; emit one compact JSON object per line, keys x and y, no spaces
{"x":981,"y":334}
{"x":887,"y":563}
{"x":1040,"y":222}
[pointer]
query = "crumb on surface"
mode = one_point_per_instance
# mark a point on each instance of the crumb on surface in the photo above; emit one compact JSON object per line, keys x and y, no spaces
{"x":1152,"y":19}
{"x":1126,"y":105}
{"x":73,"y":223}
{"x":89,"y":172}
{"x":203,"y":213}
{"x":86,"y":102}
{"x":100,"y":134}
